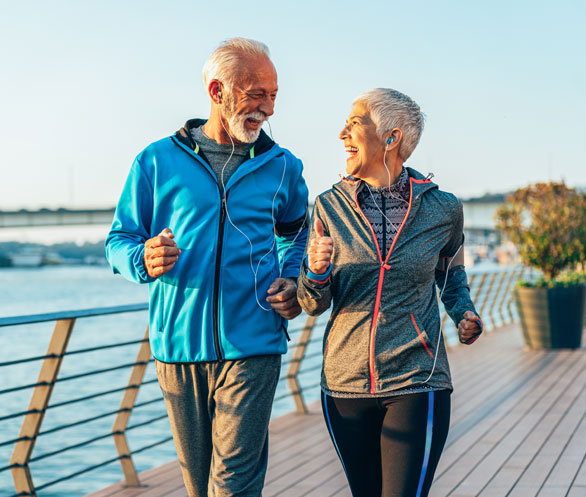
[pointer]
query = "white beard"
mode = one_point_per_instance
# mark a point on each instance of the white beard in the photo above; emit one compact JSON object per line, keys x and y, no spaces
{"x":237,"y":122}
{"x":238,"y":127}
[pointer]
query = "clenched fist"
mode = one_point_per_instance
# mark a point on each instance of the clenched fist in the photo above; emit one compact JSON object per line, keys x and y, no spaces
{"x":320,"y":250}
{"x":283,"y":298}
{"x":160,"y":253}
{"x":469,"y":328}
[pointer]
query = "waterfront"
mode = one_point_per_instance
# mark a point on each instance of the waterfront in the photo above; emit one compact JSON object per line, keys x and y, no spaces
{"x":52,"y":289}
{"x":58,"y":288}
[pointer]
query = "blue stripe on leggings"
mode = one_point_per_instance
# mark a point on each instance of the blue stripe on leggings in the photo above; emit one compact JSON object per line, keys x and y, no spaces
{"x":428,"y":437}
{"x":325,"y":401}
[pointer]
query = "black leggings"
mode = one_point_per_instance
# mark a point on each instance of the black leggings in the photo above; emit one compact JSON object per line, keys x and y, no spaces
{"x":389,"y":446}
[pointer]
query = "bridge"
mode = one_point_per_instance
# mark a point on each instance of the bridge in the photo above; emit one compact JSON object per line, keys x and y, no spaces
{"x":58,"y":217}
{"x":478,"y":216}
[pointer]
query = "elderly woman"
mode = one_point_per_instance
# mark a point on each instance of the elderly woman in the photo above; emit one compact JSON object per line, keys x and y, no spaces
{"x":381,"y":239}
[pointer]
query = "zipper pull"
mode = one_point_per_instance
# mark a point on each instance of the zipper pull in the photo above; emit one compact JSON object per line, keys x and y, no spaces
{"x":223,"y":209}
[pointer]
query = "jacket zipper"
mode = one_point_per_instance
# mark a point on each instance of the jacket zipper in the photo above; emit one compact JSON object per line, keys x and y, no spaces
{"x":383,"y":266}
{"x":216,"y":316}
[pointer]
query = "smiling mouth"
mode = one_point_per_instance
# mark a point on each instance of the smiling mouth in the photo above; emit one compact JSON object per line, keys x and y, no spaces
{"x":352,"y":151}
{"x":253,"y":122}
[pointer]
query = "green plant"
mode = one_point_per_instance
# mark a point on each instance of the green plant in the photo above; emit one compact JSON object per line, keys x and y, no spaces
{"x":562,"y":280}
{"x":547,"y":223}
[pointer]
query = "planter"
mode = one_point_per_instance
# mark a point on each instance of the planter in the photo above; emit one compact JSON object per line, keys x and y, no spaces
{"x":551,"y":318}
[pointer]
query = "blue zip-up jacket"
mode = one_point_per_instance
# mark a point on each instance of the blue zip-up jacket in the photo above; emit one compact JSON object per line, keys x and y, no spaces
{"x":205,"y":308}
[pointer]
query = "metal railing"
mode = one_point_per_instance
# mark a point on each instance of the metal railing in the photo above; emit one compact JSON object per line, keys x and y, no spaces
{"x":492,"y":292}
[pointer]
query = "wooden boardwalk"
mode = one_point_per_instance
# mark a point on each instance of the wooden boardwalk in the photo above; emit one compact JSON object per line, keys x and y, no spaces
{"x":518,"y":429}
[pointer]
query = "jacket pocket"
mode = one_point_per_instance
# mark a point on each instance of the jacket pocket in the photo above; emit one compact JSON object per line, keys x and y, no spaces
{"x":284,"y":328}
{"x":422,"y":336}
{"x":161,"y":321}
{"x":333,"y":331}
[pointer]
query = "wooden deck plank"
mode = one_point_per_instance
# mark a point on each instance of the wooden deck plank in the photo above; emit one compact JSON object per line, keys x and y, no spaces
{"x":466,"y":435}
{"x":518,"y":428}
{"x":568,"y":465}
{"x":501,"y":444}
{"x":568,"y":415}
{"x":467,"y":454}
{"x":526,"y":451}
{"x":580,"y":480}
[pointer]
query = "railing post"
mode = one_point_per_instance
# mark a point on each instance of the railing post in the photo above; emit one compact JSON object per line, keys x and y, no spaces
{"x":126,"y":406}
{"x":496,"y":299}
{"x":295,"y":365}
{"x":31,"y":424}
{"x":506,"y":294}
{"x":479,"y":288}
{"x":487,"y":294}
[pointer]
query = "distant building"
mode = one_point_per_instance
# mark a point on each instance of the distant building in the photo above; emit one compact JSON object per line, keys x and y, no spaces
{"x":479,"y":222}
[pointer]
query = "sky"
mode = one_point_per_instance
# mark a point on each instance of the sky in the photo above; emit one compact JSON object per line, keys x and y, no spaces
{"x":85,"y":86}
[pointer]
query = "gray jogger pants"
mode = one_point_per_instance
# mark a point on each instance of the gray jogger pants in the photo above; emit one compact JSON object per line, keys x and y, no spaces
{"x":219,"y":414}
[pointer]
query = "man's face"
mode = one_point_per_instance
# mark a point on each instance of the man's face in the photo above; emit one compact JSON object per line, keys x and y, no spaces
{"x":252,"y":99}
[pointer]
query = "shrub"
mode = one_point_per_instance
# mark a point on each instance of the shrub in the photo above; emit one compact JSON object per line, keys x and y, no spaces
{"x":547,"y":223}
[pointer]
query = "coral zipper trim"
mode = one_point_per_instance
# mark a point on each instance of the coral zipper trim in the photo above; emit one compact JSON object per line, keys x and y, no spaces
{"x":383,"y":266}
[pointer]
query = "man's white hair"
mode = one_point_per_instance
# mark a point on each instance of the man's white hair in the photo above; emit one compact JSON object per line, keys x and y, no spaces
{"x":391,"y":109}
{"x":224,"y":63}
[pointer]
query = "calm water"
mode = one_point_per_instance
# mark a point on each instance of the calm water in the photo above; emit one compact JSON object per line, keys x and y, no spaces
{"x":60,"y":288}
{"x":53,"y":289}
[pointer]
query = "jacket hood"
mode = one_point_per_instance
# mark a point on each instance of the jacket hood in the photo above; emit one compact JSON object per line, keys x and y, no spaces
{"x":262,"y":144}
{"x":419,"y":184}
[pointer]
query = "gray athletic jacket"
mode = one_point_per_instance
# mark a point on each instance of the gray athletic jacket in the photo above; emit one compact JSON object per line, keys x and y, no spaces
{"x":384,"y":328}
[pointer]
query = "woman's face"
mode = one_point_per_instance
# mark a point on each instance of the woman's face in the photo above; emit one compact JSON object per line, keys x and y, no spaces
{"x":365,"y":148}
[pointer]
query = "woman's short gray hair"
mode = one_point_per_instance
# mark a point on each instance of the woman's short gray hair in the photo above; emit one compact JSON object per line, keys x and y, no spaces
{"x":224,"y":63}
{"x":391,"y":109}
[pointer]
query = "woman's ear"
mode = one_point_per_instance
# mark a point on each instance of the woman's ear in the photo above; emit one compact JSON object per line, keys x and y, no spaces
{"x":393,"y":138}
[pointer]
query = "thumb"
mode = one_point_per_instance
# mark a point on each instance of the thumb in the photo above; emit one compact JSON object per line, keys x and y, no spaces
{"x":167,"y":232}
{"x":470,"y":316}
{"x":275,"y":285}
{"x":318,"y":226}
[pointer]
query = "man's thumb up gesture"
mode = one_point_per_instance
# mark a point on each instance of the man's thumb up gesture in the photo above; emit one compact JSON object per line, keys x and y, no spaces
{"x":319,"y":252}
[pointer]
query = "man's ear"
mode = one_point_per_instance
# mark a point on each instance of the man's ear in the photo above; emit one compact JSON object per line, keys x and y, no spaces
{"x":215,"y":91}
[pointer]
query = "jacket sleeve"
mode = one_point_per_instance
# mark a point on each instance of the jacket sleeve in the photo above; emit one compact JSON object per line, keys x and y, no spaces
{"x":456,"y":293}
{"x":291,"y":227}
{"x":453,"y":286}
{"x":314,"y":291}
{"x":131,"y":227}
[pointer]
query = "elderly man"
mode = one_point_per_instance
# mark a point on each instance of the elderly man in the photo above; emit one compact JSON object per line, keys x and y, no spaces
{"x":213,"y":218}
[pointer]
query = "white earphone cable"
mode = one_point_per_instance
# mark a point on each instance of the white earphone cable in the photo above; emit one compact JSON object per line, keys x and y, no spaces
{"x":255,"y":271}
{"x":440,"y":334}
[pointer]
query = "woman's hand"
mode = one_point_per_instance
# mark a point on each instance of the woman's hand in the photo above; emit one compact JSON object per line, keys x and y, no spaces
{"x":319,"y":252}
{"x":469,"y":328}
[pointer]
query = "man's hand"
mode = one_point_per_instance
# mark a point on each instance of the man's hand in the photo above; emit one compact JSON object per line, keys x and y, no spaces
{"x":283,"y":298}
{"x":160,"y":253}
{"x":469,"y":327}
{"x":320,"y":250}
